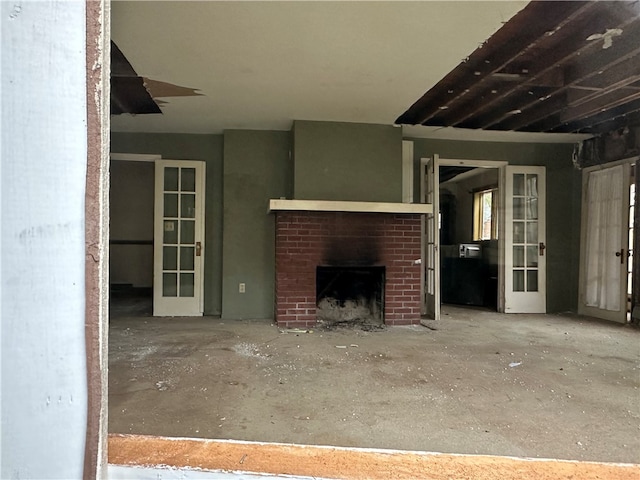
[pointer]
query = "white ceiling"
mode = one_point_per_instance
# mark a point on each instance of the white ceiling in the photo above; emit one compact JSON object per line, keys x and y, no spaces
{"x":261,"y":65}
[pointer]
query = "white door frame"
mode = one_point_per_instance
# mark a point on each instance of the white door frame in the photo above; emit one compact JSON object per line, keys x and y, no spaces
{"x":458,"y":162}
{"x":157,"y":256}
{"x":135,"y":157}
{"x":583,"y":309}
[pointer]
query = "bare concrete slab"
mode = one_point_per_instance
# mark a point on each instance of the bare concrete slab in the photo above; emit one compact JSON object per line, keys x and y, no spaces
{"x":544,"y":386}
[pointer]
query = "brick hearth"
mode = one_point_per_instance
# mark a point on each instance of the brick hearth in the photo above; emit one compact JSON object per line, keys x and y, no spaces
{"x":305,"y":240}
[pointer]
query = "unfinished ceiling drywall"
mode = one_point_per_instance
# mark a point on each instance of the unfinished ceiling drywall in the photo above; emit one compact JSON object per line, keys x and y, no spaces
{"x":260,"y":65}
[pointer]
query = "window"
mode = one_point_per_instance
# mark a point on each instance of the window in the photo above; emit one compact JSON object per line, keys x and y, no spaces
{"x":485,"y":214}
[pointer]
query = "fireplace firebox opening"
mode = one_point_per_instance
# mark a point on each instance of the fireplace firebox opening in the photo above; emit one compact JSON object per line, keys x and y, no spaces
{"x":347,"y":294}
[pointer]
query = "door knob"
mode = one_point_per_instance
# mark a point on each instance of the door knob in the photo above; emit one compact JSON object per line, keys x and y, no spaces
{"x":621,"y":255}
{"x":542,"y":247}
{"x":198,"y":249}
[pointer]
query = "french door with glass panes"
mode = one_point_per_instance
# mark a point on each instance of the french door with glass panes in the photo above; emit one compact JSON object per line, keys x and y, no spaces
{"x":431,"y":239}
{"x":607,"y":241}
{"x":525,"y":249}
{"x":178,"y":238}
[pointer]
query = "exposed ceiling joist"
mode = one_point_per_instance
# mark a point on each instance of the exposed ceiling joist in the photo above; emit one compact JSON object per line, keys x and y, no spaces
{"x":568,"y":67}
{"x":128,"y":92}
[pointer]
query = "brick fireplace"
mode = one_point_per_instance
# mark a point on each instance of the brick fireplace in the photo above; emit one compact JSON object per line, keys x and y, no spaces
{"x":306,"y":240}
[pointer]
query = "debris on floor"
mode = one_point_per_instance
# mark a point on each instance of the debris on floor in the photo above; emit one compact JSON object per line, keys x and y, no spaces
{"x":248,"y":350}
{"x":162,"y":385}
{"x":295,"y":330}
{"x":351,"y":325}
{"x":430,"y":324}
{"x":246,"y":381}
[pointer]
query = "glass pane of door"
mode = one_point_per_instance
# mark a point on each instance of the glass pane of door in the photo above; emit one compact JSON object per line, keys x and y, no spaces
{"x":606,"y":200}
{"x":431,"y":240}
{"x":525,"y":232}
{"x":179,"y":247}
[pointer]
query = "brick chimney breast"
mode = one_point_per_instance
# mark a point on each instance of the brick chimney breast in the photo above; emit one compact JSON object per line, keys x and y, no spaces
{"x":308,"y":239}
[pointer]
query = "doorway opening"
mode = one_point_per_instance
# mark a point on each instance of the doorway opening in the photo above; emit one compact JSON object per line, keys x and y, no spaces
{"x":469,"y":234}
{"x":131,"y":200}
{"x":156,"y":236}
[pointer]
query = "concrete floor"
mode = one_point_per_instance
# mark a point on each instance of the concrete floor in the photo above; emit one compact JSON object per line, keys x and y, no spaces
{"x":544,"y":386}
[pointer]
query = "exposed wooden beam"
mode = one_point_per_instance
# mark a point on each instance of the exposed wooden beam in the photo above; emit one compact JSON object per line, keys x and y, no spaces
{"x":568,"y":108}
{"x":543,"y":65}
{"x":600,"y":104}
{"x":575,"y":76}
{"x":515,"y":36}
{"x":610,"y":124}
{"x":587,"y":125}
{"x":599,"y":61}
{"x":616,"y":68}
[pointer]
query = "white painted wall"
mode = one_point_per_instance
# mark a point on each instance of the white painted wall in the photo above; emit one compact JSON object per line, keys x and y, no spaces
{"x":42,"y":179}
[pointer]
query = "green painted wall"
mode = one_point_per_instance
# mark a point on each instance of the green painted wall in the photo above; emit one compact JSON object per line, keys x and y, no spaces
{"x":131,"y":199}
{"x":347,"y":161}
{"x":563,"y":203}
{"x":336,"y":161}
{"x":191,"y":147}
{"x":256,"y":168}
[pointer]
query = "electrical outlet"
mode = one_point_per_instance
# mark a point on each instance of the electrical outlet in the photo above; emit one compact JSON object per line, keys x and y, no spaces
{"x":242,"y":287}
